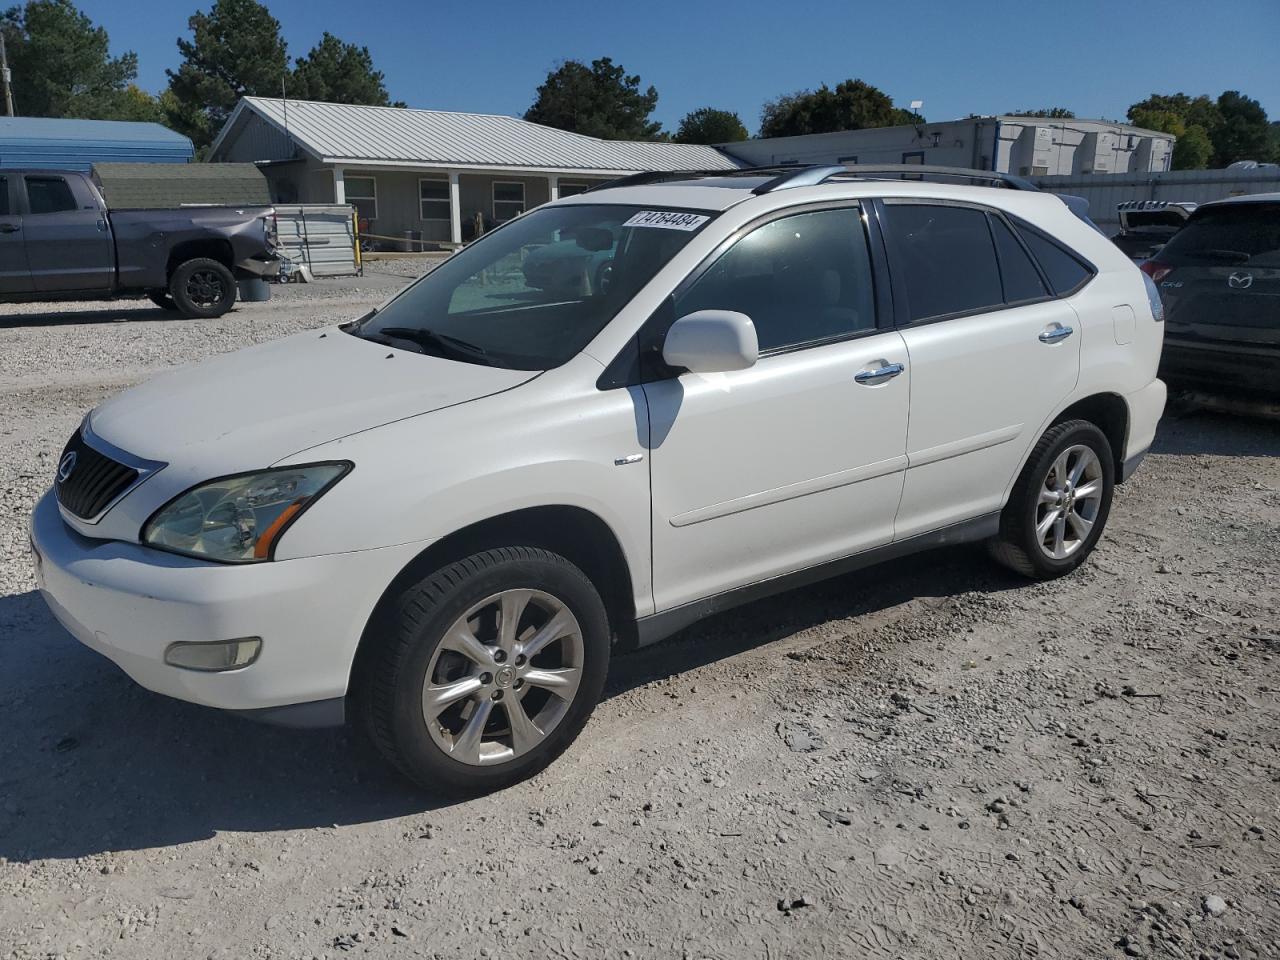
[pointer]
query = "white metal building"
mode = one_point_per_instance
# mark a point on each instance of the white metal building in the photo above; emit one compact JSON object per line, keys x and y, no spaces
{"x":430,"y":171}
{"x":1026,"y":146}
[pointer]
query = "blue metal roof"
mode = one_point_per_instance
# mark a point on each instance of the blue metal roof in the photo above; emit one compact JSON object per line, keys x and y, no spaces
{"x":78,"y":144}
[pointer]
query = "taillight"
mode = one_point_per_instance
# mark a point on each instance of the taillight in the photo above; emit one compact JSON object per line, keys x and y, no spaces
{"x":1156,"y":270}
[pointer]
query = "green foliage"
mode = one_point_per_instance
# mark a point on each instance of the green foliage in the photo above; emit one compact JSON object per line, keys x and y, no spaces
{"x":1234,"y":127}
{"x":1052,"y":113}
{"x":852,"y":105}
{"x":1244,"y":133}
{"x":598,"y":101}
{"x":62,"y":65}
{"x":235,"y":50}
{"x":338,"y":72}
{"x":709,"y":125}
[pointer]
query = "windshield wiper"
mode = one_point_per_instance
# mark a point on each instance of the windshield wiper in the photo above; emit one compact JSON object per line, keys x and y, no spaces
{"x":439,"y":343}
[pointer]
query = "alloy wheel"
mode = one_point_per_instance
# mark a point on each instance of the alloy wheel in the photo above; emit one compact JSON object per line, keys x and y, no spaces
{"x":503,"y":677}
{"x":1069,"y":501}
{"x":204,"y":288}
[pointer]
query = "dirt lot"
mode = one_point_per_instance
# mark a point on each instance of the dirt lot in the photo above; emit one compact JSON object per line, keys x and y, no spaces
{"x":931,"y":759}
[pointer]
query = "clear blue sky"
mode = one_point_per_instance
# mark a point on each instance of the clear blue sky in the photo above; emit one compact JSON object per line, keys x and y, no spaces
{"x":958,"y":57}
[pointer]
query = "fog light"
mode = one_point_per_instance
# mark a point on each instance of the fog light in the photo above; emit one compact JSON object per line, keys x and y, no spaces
{"x":213,"y":657}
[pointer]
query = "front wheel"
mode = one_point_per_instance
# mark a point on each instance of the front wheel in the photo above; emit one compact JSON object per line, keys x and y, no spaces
{"x":1060,"y":503}
{"x":488,"y":670}
{"x":202,"y":288}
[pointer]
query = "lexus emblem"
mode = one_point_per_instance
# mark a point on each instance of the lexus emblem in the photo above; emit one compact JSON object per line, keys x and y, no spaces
{"x":1240,"y":281}
{"x":66,"y":465}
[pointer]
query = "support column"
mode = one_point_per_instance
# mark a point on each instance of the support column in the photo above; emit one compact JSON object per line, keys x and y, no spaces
{"x":455,"y":209}
{"x":339,"y":185}
{"x":553,"y":188}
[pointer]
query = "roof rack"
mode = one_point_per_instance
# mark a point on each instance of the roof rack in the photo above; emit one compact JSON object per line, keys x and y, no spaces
{"x":663,"y":176}
{"x":917,"y":171}
{"x":786,"y":176}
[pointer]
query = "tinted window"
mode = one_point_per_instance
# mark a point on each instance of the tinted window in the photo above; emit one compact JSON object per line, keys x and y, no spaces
{"x":802,"y":278}
{"x":4,"y":196}
{"x":1227,"y":235}
{"x":49,"y":195}
{"x":1064,"y":271}
{"x":1019,"y":275}
{"x":946,"y":257}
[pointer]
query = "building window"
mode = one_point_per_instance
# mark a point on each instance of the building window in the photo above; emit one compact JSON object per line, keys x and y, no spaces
{"x":571,"y":188}
{"x":508,"y":199}
{"x":362,"y":193}
{"x":433,"y":199}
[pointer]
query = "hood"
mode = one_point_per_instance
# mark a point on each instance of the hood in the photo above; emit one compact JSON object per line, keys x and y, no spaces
{"x":254,"y":407}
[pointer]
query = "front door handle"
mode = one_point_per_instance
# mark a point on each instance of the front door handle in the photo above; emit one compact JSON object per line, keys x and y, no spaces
{"x":9,"y":228}
{"x":1055,"y":333}
{"x":881,"y":374}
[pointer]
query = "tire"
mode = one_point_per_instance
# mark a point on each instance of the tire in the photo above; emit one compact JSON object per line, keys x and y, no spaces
{"x":471,"y":746}
{"x":202,"y":288}
{"x":162,"y":299}
{"x":1030,"y":542}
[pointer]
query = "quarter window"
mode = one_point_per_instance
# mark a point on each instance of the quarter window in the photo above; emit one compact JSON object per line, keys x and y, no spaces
{"x":508,"y":199}
{"x":49,"y":195}
{"x":946,"y":258}
{"x":433,"y":199}
{"x":362,"y":193}
{"x":801,"y":279}
{"x":1066,"y":274}
{"x":1020,"y":277}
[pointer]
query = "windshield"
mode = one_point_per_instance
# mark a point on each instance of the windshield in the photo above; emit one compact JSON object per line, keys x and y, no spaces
{"x":531,"y":295}
{"x":1228,"y":235}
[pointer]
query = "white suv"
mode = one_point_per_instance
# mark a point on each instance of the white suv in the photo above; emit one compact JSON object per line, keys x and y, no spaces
{"x":614,"y":415}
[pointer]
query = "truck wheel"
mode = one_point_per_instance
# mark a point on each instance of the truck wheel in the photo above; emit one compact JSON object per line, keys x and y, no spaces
{"x":1060,"y":503}
{"x":202,"y":288}
{"x":487,"y":670}
{"x":162,"y":299}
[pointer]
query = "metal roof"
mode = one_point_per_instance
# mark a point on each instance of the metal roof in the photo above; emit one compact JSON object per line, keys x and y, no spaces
{"x":347,"y":133}
{"x":76,"y":144}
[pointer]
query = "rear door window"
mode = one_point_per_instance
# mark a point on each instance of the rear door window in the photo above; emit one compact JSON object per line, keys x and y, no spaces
{"x":946,"y":258}
{"x":1020,"y":277}
{"x":1065,"y":271}
{"x":1229,"y":235}
{"x":49,"y":195}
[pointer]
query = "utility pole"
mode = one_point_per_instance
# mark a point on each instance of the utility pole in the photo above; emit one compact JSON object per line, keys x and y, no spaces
{"x":4,"y":72}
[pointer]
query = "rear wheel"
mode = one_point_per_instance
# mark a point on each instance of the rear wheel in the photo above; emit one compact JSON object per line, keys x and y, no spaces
{"x":1059,"y":505}
{"x":202,"y":288}
{"x":488,"y":670}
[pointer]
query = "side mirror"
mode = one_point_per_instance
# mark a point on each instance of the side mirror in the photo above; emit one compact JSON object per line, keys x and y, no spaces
{"x":712,"y":341}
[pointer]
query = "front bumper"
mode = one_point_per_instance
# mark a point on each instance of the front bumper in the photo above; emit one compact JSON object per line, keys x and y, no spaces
{"x":129,"y":602}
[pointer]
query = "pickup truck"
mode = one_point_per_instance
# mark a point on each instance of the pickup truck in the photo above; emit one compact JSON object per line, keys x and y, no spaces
{"x":59,"y":241}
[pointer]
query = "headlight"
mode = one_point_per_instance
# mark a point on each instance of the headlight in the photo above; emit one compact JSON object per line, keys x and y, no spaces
{"x":239,"y":519}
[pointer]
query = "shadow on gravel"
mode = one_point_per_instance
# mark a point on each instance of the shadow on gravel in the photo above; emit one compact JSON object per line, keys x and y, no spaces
{"x":90,"y":762}
{"x":127,"y":310}
{"x":1197,"y":432}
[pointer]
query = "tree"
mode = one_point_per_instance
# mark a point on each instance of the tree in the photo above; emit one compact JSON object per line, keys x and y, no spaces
{"x":598,"y":101}
{"x":338,"y":72}
{"x":1052,"y":113}
{"x":236,"y":50}
{"x":1191,"y":119}
{"x":1243,"y":134}
{"x":62,"y":65}
{"x":709,"y":125}
{"x":852,"y":105}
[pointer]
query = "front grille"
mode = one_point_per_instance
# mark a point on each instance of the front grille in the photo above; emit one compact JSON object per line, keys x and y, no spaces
{"x":92,"y":481}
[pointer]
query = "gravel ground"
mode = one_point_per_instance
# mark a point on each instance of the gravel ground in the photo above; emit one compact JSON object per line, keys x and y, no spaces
{"x":929,"y":759}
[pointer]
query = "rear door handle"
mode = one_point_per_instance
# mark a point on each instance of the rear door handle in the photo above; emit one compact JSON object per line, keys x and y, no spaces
{"x":1055,"y":333}
{"x":9,"y":228}
{"x":881,"y":374}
